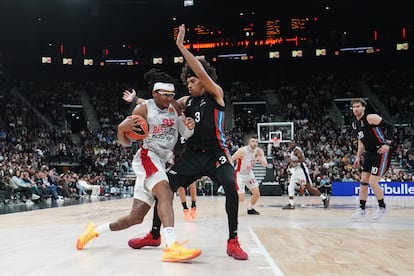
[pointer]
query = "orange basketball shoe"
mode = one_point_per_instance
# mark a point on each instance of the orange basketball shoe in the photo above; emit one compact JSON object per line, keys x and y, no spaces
{"x":178,"y":253}
{"x":86,"y":236}
{"x":193,"y":213}
{"x":187,"y":214}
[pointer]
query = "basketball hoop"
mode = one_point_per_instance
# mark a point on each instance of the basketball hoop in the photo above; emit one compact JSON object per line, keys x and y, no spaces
{"x":276,"y":142}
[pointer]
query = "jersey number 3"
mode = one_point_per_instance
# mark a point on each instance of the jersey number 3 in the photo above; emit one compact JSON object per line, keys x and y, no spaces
{"x":197,"y":117}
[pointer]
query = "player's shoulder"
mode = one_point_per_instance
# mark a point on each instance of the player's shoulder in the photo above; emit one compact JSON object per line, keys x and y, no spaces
{"x":241,"y":151}
{"x":373,"y":118}
{"x":260,"y":150}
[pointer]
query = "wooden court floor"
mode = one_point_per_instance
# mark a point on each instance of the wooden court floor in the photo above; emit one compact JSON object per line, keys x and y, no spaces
{"x":309,"y":240}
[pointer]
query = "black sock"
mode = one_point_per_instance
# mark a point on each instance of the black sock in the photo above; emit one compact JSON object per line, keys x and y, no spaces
{"x":381,"y":203}
{"x":362,"y":204}
{"x":184,"y":205}
{"x":193,"y":204}
{"x":155,"y":233}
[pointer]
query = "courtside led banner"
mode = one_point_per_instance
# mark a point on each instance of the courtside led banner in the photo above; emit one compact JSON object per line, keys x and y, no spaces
{"x":389,"y":188}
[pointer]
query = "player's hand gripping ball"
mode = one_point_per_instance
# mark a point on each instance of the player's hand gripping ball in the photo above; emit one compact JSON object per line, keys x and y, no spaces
{"x":140,"y":131}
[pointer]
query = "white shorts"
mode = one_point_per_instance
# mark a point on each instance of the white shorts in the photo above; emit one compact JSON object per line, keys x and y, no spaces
{"x":143,"y":183}
{"x":300,"y":175}
{"x":246,"y":180}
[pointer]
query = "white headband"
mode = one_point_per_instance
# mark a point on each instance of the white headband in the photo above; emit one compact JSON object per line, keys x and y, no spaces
{"x":163,"y":86}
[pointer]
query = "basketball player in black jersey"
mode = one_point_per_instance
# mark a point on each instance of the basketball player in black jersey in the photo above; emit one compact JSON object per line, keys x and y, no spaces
{"x":206,"y":152}
{"x":374,"y":142}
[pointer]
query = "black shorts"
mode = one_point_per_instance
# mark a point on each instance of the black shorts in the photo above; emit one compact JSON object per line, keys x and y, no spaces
{"x":376,"y":164}
{"x":193,"y":164}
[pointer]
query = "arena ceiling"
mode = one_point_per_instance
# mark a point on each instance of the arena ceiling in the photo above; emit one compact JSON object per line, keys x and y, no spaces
{"x":146,"y":15}
{"x":32,"y":22}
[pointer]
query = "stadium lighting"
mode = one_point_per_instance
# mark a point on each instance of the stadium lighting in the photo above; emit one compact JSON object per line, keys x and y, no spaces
{"x":188,"y":3}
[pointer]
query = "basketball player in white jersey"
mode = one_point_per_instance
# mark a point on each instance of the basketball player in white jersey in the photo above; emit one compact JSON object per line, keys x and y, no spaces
{"x":149,"y":165}
{"x":246,"y":157}
{"x":189,"y":213}
{"x":300,"y":175}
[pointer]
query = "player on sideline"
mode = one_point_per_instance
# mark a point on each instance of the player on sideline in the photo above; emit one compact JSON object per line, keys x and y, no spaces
{"x":300,"y":175}
{"x":206,"y":152}
{"x":246,"y":157}
{"x":149,"y":165}
{"x":374,"y":142}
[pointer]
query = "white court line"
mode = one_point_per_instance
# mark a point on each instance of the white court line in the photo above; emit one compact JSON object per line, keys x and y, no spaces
{"x":276,"y":270}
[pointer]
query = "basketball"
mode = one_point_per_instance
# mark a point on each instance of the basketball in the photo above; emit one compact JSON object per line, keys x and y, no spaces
{"x":142,"y":131}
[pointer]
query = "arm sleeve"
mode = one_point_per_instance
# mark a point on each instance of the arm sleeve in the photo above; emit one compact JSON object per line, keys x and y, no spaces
{"x":183,"y":130}
{"x":389,"y":127}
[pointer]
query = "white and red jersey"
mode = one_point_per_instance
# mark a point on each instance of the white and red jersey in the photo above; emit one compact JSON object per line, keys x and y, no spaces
{"x":163,"y":130}
{"x":245,"y":165}
{"x":300,"y":173}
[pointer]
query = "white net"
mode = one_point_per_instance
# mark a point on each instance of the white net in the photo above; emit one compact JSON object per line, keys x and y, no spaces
{"x":276,"y":142}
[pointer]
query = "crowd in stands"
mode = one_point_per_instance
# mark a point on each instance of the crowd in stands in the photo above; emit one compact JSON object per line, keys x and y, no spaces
{"x":396,"y":89}
{"x":39,"y":158}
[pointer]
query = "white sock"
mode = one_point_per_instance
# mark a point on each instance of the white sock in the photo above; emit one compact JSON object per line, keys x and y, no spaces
{"x":104,"y":228}
{"x":291,"y":202}
{"x":250,"y":206}
{"x":323,"y":196}
{"x":169,"y":235}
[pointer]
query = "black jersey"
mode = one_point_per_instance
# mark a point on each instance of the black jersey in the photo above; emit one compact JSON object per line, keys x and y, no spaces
{"x":372,"y":136}
{"x":209,"y":132}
